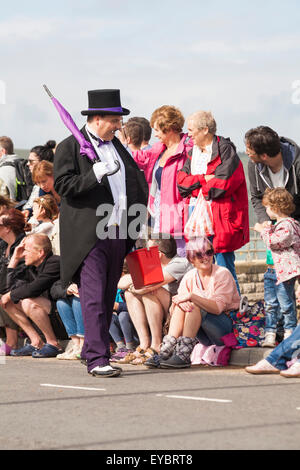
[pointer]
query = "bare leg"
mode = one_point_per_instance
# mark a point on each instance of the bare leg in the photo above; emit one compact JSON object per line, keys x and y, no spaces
{"x":156,"y":307}
{"x":18,"y":316}
{"x":38,"y":310}
{"x":138,"y":316}
{"x":185,"y":323}
{"x":192,"y":323}
{"x":11,"y":337}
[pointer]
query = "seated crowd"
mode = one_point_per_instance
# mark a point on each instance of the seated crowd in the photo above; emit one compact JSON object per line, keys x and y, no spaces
{"x":157,"y":325}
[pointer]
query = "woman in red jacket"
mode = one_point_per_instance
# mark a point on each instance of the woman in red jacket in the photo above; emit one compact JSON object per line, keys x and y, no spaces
{"x":214,"y":166}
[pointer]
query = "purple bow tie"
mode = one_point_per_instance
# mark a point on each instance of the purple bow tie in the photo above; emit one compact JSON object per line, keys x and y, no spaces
{"x":99,"y":141}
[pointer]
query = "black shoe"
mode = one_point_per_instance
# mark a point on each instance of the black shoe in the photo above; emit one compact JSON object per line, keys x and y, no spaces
{"x":175,"y":362}
{"x":105,"y":371}
{"x":154,"y":361}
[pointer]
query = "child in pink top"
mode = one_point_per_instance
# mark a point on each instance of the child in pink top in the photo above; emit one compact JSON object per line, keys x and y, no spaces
{"x":283,"y":239}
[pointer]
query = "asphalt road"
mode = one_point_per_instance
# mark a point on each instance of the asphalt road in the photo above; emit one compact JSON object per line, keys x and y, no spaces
{"x":199,"y":408}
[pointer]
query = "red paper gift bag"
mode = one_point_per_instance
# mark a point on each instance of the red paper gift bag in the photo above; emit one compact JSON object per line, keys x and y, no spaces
{"x":144,"y":267}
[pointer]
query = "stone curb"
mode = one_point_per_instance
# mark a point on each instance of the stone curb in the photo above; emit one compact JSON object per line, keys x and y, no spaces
{"x":248,"y":356}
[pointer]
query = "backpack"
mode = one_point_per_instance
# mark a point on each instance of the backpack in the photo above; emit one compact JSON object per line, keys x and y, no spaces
{"x":24,"y":183}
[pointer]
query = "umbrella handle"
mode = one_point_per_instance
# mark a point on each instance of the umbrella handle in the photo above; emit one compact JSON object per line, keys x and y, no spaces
{"x":48,"y":91}
{"x":118,"y":166}
{"x":110,"y":173}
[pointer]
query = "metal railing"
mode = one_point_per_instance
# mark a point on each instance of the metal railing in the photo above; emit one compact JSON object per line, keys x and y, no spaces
{"x":254,"y":250}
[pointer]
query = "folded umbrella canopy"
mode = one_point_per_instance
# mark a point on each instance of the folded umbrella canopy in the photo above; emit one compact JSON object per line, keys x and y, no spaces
{"x":86,"y":148}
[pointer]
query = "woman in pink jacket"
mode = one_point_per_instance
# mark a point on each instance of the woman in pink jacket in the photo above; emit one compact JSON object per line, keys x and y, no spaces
{"x":160,"y":165}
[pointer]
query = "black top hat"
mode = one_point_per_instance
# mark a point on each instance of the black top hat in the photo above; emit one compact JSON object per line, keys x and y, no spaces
{"x":105,"y":102}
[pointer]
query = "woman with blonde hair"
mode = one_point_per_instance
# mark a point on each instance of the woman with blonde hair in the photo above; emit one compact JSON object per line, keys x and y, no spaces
{"x":42,"y":175}
{"x":45,"y":213}
{"x":160,"y":165}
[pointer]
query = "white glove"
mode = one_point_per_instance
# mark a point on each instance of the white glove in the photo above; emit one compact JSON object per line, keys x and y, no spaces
{"x":100,"y":169}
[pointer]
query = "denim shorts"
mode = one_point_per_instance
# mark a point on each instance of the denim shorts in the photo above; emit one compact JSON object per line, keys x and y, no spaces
{"x":213,"y":327}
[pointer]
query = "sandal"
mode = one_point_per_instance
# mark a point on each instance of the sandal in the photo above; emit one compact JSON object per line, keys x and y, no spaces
{"x":131,"y":356}
{"x":143,"y":357}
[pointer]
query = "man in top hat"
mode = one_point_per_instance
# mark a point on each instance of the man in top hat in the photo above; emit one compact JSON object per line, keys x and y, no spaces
{"x":94,"y":220}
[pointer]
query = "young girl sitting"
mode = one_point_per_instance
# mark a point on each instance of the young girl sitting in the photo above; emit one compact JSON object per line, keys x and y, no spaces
{"x":283,"y":239}
{"x":45,"y":212}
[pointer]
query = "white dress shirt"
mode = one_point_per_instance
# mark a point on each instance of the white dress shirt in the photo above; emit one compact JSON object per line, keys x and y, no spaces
{"x":107,"y":153}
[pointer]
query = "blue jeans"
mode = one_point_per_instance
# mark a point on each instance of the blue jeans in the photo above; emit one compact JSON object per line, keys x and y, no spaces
{"x":279,"y":302}
{"x":121,"y":328}
{"x":213,"y":327}
{"x":227,"y":261}
{"x":286,"y":350}
{"x":70,"y":312}
{"x":181,"y":245}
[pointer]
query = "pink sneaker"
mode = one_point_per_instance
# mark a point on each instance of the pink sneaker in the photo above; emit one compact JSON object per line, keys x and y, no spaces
{"x":293,"y":371}
{"x":5,"y":349}
{"x":262,"y":367}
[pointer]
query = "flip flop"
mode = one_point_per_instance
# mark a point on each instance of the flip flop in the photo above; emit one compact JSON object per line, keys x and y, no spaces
{"x":48,"y":350}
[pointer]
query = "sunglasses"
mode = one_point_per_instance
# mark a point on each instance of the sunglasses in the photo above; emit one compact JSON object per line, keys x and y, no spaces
{"x":204,"y":254}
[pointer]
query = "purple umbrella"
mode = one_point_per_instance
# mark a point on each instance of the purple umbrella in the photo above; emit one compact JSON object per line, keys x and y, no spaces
{"x":86,"y":148}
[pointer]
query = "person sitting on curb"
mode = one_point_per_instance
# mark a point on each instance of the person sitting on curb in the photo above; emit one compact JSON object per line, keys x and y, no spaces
{"x":28,"y":298}
{"x":149,"y":307}
{"x":284,"y":359}
{"x":199,"y":312}
{"x":69,"y":309}
{"x":12,"y":232}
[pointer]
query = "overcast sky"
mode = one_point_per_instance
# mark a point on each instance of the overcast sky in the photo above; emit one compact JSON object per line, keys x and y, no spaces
{"x":239,"y":60}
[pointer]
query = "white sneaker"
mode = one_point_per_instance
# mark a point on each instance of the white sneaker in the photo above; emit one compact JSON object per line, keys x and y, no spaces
{"x":269,"y":341}
{"x":68,"y":355}
{"x":287,"y":334}
{"x":105,"y":371}
{"x":293,"y":371}
{"x":262,"y":367}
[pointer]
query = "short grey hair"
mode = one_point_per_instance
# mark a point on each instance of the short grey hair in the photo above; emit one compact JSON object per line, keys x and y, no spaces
{"x":41,"y":241}
{"x":202,"y":119}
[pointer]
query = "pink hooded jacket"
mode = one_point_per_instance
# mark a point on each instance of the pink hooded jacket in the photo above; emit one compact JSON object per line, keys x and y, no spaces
{"x":172,"y":204}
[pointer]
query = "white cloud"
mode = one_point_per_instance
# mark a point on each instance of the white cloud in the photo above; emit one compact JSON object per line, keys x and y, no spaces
{"x":27,"y":28}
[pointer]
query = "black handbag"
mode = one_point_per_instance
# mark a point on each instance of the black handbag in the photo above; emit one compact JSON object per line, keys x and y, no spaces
{"x":57,"y":324}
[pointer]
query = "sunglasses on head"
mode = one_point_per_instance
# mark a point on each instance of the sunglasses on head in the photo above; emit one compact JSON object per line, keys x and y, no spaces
{"x":204,"y":254}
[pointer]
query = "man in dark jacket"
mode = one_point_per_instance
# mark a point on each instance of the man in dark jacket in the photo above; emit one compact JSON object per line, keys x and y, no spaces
{"x":274,"y":162}
{"x":28,"y":297}
{"x":94,"y":239}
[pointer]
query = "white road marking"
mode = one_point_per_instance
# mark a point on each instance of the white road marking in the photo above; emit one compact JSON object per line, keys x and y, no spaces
{"x":195,"y":398}
{"x":75,"y":388}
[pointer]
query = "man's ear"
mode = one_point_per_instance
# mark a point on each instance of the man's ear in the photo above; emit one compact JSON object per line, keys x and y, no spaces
{"x":264,"y":157}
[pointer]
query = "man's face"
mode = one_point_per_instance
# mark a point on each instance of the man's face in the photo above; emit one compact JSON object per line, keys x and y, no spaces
{"x":198,"y":135}
{"x":32,"y":254}
{"x":107,"y":126}
{"x":2,"y":152}
{"x":253,"y":156}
